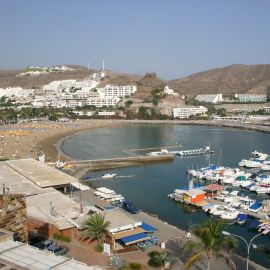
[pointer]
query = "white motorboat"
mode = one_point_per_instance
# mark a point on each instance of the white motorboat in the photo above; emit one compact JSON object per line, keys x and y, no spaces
{"x":253,"y":188}
{"x":242,"y":163}
{"x":108,"y":175}
{"x":230,"y":215}
{"x":262,"y":190}
{"x":259,"y":156}
{"x":253,"y":164}
{"x":212,"y":208}
{"x":265,"y":167}
{"x":218,"y":211}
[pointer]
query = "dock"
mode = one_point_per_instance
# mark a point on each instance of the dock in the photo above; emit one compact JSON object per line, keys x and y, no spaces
{"x":104,"y":164}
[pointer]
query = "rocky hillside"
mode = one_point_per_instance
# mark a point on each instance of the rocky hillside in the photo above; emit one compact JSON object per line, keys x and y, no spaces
{"x":10,"y":78}
{"x":227,"y":80}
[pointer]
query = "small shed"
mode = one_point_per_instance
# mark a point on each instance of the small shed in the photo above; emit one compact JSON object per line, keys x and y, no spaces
{"x":193,"y":196}
{"x":213,"y":190}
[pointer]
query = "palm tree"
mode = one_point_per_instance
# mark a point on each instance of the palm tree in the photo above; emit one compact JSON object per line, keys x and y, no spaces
{"x":212,"y":244}
{"x":96,"y":228}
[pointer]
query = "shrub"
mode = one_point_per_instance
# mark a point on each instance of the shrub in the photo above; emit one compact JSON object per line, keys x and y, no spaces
{"x":135,"y":266}
{"x":155,"y":261}
{"x":60,"y":237}
{"x":153,"y":253}
{"x":99,"y":248}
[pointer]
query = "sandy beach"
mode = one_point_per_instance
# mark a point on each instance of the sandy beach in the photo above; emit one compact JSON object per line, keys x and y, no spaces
{"x":32,"y":139}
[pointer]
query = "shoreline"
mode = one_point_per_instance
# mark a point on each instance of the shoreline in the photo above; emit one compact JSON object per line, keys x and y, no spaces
{"x":27,"y":140}
{"x":218,"y":124}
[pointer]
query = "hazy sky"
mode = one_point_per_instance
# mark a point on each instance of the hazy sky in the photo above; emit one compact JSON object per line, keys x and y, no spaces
{"x":171,"y":37}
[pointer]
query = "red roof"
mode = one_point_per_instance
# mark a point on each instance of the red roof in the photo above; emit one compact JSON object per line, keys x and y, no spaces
{"x":213,"y":187}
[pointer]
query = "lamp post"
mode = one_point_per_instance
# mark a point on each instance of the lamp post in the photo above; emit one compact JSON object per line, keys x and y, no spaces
{"x":248,"y":244}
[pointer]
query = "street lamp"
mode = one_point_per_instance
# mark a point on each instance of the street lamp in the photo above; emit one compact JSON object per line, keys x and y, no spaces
{"x":245,"y":241}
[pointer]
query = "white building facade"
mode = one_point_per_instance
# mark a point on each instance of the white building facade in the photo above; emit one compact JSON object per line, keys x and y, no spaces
{"x":186,"y":112}
{"x":118,"y":90}
{"x":209,"y":98}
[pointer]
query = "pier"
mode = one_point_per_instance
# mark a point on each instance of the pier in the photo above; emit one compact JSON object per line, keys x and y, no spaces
{"x":104,"y":164}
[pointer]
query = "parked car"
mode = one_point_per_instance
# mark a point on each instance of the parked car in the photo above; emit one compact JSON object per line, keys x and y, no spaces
{"x":128,"y":206}
{"x":154,"y":240}
{"x":58,"y":250}
{"x":34,"y":240}
{"x":46,"y":244}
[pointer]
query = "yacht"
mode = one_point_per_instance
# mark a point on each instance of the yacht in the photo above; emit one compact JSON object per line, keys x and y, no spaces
{"x":108,"y":175}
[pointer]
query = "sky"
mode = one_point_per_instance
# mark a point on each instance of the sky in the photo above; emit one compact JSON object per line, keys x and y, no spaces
{"x":173,"y":38}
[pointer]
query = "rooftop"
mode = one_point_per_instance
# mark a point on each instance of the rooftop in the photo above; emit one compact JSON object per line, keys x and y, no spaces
{"x":213,"y":187}
{"x":39,"y":173}
{"x":53,"y":207}
{"x":23,"y":256}
{"x":46,"y":204}
{"x":194,"y":192}
{"x":120,"y":220}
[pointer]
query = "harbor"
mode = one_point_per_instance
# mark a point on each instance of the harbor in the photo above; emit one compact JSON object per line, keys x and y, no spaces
{"x":166,"y":177}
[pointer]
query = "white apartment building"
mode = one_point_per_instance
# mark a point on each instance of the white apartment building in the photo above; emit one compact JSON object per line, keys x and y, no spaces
{"x":249,"y":98}
{"x":73,"y":103}
{"x":15,"y":91}
{"x":104,"y":113}
{"x":100,"y":102}
{"x":66,"y":96}
{"x":56,"y":87}
{"x":169,"y":91}
{"x":81,"y":113}
{"x":186,"y":112}
{"x":210,"y":98}
{"x":267,"y":109}
{"x":118,"y":91}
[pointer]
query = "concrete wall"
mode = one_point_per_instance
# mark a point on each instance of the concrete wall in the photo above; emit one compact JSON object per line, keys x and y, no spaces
{"x":13,"y":215}
{"x":47,"y":229}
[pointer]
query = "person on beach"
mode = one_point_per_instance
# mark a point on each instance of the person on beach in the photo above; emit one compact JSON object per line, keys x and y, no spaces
{"x":188,"y":234}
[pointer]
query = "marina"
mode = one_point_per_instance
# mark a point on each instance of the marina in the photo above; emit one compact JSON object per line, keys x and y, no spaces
{"x":160,"y":179}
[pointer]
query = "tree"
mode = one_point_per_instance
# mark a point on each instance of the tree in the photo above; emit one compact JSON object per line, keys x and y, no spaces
{"x":128,"y":103}
{"x":268,"y":93}
{"x":142,"y":113}
{"x":212,"y":244}
{"x":96,"y":228}
{"x":155,"y":101}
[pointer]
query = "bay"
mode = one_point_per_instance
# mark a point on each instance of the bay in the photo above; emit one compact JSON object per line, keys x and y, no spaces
{"x":147,"y":186}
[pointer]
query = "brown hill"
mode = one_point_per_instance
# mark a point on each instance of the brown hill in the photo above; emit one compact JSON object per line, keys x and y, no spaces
{"x":145,"y":83}
{"x":227,"y":80}
{"x":9,"y":78}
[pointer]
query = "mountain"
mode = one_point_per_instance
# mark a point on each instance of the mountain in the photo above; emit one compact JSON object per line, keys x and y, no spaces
{"x":228,"y":80}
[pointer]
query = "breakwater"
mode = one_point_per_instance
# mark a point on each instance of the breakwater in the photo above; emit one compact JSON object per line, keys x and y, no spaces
{"x":104,"y":164}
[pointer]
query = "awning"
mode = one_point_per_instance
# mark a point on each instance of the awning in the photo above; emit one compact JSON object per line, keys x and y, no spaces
{"x":126,"y":233}
{"x":148,"y":227}
{"x":133,"y":239}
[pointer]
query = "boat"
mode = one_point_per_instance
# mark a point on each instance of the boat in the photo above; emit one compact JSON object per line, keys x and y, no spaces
{"x":265,"y":167}
{"x":163,"y":151}
{"x":230,"y":214}
{"x":262,"y":190}
{"x":108,"y":175}
{"x":59,"y":164}
{"x":255,"y":207}
{"x":218,"y":211}
{"x":241,"y":219}
{"x":259,"y":156}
